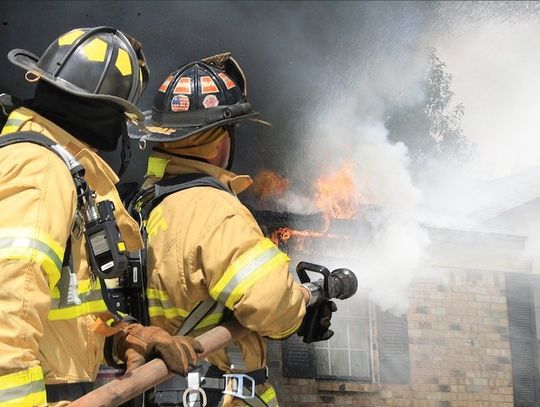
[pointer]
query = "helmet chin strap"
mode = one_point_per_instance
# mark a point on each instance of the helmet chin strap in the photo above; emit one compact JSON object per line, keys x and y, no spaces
{"x":125,"y":154}
{"x":231,"y":130}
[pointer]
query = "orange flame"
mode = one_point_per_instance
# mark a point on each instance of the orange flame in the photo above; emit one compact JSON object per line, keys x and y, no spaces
{"x":337,"y":197}
{"x":337,"y":194}
{"x":268,"y":184}
{"x":282,"y":235}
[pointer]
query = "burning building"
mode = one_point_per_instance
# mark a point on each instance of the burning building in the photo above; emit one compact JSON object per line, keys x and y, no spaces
{"x":465,"y":338}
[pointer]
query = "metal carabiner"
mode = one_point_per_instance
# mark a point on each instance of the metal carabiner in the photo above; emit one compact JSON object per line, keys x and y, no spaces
{"x":237,"y":387}
{"x":194,"y":385}
{"x":190,"y":390}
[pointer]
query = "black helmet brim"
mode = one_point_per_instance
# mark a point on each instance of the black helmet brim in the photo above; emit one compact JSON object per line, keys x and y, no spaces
{"x":28,"y":61}
{"x":172,"y":133}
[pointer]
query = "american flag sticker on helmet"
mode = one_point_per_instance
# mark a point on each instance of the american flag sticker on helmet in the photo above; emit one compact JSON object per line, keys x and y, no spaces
{"x":165,"y":84}
{"x":183,"y":86}
{"x":208,"y":85}
{"x":226,"y":80}
{"x":179,"y":103}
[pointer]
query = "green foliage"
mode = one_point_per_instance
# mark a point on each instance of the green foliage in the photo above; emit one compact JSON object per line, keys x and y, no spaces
{"x":431,"y":129}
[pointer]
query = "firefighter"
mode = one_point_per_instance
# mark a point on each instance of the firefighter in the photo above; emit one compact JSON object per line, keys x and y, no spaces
{"x":208,"y":260}
{"x":88,"y":81}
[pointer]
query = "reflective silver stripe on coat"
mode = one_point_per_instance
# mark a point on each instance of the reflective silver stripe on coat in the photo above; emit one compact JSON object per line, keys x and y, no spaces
{"x":21,"y":391}
{"x":27,"y":242}
{"x":93,"y":295}
{"x":241,"y":275}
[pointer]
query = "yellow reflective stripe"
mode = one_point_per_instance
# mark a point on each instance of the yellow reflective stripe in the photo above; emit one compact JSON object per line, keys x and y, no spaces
{"x":24,"y":388}
{"x":76,"y":311}
{"x":16,"y":115}
{"x":154,"y":294}
{"x":168,"y":313}
{"x":268,"y":395}
{"x":84,"y":287}
{"x":9,"y":128}
{"x":244,"y":272}
{"x":160,"y":305}
{"x":89,"y":292}
{"x":210,"y":320}
{"x":35,"y":246}
{"x":14,"y":122}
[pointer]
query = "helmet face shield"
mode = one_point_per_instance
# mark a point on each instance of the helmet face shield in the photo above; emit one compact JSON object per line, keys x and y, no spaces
{"x":99,"y":63}
{"x":197,"y":97}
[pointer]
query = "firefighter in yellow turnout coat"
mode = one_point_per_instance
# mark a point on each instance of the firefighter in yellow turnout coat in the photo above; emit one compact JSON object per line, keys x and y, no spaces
{"x":204,"y":246}
{"x":48,"y":350}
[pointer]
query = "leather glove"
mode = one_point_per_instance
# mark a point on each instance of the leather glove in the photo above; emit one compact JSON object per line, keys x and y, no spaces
{"x":137,"y":344}
{"x":316,"y":323}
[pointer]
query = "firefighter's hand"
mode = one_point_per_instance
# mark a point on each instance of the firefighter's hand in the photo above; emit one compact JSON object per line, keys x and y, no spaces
{"x":137,"y":344}
{"x":327,"y":308}
{"x":316,"y":324}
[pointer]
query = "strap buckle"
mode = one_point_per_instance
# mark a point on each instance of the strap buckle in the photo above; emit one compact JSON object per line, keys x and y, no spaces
{"x":235,"y":382}
{"x":194,"y":389}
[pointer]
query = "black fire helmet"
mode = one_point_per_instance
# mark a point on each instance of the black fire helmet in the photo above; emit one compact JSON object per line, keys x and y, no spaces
{"x":199,"y":96}
{"x":99,"y":63}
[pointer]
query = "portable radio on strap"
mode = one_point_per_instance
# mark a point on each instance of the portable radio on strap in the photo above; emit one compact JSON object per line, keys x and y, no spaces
{"x":106,"y":251}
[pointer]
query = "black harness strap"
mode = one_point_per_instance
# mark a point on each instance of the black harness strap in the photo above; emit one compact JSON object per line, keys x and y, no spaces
{"x":178,"y":183}
{"x":40,"y":139}
{"x":67,"y":391}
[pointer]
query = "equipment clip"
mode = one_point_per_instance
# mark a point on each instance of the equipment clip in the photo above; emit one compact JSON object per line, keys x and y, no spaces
{"x":237,"y":386}
{"x":190,"y":396}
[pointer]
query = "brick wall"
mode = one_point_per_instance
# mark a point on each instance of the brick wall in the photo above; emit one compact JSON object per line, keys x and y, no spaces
{"x":459,"y":344}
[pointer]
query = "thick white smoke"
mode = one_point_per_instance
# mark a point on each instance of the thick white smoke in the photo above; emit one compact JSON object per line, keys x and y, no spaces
{"x":352,"y":128}
{"x":495,"y":75}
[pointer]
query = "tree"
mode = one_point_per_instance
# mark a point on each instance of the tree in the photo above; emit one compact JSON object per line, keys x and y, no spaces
{"x":431,"y":129}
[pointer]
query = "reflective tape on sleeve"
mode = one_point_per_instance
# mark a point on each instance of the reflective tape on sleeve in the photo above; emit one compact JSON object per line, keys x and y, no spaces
{"x":269,"y":397}
{"x":23,"y":388}
{"x":160,"y":305}
{"x":89,"y":292}
{"x":245,"y":271}
{"x":14,"y":122}
{"x":35,"y":246}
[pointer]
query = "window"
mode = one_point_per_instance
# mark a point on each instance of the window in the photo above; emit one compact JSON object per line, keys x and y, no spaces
{"x":347,"y":354}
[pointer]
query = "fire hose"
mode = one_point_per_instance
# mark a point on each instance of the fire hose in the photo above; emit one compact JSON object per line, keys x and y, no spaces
{"x":154,"y":372}
{"x":340,"y":283}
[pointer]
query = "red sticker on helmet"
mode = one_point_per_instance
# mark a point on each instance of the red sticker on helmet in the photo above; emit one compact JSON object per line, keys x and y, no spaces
{"x":226,"y":80}
{"x":180,"y":103}
{"x":183,"y":86}
{"x":165,"y":85}
{"x":208,"y":85}
{"x":210,"y":101}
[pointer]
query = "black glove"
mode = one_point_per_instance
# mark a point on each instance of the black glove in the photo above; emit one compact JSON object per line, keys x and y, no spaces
{"x":316,"y":323}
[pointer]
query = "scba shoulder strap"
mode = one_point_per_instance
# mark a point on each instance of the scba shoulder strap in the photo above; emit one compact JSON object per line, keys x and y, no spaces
{"x":148,"y":198}
{"x":73,"y":165}
{"x":67,"y":284}
{"x":95,"y":221}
